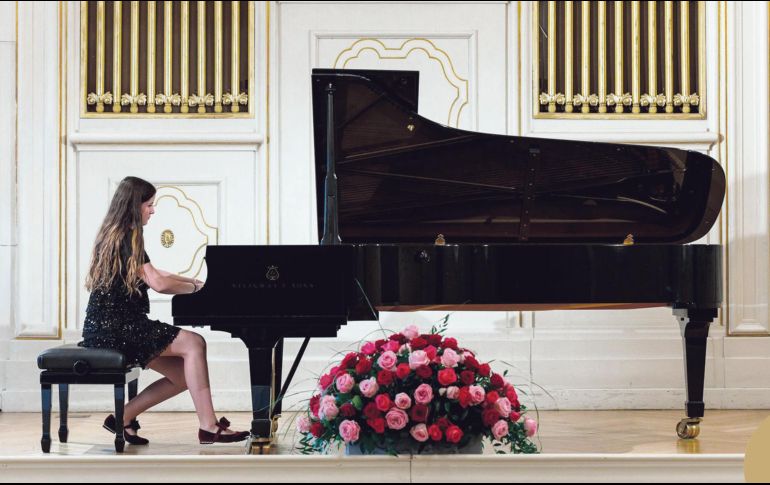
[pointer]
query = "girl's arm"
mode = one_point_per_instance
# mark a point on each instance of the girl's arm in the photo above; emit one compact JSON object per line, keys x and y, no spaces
{"x":176,"y":276}
{"x":164,"y":282}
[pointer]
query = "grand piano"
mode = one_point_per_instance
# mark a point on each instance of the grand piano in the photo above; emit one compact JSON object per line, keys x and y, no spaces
{"x":414,"y":215}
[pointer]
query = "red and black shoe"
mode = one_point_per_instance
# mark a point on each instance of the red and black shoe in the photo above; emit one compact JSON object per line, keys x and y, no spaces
{"x":134,"y":439}
{"x":207,"y":437}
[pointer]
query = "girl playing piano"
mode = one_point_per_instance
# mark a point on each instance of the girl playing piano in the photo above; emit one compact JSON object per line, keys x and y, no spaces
{"x":116,"y":317}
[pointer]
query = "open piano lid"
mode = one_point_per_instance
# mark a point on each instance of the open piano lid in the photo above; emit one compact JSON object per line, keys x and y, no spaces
{"x":405,"y":179}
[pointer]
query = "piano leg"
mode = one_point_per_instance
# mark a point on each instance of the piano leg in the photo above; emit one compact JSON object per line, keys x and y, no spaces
{"x":277,"y":380}
{"x":694,"y":325}
{"x":261,"y":373}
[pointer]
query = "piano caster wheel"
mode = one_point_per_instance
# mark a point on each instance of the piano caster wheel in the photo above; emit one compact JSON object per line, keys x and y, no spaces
{"x":258,"y":446}
{"x":688,"y":429}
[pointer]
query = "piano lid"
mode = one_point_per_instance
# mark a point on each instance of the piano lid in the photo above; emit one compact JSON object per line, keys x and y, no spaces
{"x":405,"y":179}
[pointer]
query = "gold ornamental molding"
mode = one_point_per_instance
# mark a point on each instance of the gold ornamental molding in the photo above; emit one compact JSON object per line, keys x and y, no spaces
{"x":168,"y":64}
{"x":610,"y":59}
{"x":460,"y":85}
{"x":169,"y":237}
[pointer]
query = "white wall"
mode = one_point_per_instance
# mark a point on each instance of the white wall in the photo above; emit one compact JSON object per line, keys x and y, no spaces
{"x":7,"y":178}
{"x":468,"y":56}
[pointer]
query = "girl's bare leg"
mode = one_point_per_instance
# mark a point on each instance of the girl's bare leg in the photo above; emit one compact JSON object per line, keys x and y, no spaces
{"x":169,"y":386}
{"x":191,"y":347}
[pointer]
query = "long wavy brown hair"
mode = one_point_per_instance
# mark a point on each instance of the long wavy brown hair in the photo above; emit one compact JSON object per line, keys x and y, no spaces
{"x":124,"y":217}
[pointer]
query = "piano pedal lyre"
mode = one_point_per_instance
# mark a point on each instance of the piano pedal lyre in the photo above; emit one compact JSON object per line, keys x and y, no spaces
{"x":688,"y":428}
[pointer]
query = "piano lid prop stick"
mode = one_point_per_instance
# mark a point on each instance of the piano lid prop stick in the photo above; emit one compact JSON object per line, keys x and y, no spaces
{"x":331,"y":230}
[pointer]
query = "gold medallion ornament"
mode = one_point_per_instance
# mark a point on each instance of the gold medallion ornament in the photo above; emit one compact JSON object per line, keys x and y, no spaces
{"x":167,"y":238}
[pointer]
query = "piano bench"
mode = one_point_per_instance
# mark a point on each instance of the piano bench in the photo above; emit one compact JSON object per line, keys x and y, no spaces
{"x":70,"y":364}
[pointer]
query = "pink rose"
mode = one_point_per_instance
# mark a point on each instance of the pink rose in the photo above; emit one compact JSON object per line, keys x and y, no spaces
{"x":404,"y":349}
{"x":452,"y":392}
{"x":477,"y":395}
{"x":503,"y":406}
{"x":328,"y":409}
{"x":369,"y":387}
{"x":345,"y":383}
{"x":403,"y":401}
{"x":449,"y":358}
{"x":418,"y":358}
{"x":500,"y":429}
{"x":303,"y":424}
{"x":387,"y":360}
{"x":368,"y":348}
{"x":349,"y":430}
{"x":530,"y":426}
{"x":396,"y":419}
{"x":411,"y":332}
{"x":423,"y":394}
{"x":392,"y":346}
{"x":420,"y":433}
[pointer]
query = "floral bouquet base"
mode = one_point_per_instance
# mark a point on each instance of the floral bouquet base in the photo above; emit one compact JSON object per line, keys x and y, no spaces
{"x":411,"y":447}
{"x":414,"y":393}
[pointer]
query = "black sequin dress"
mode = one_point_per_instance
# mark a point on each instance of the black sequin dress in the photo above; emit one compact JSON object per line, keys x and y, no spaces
{"x":117,"y":320}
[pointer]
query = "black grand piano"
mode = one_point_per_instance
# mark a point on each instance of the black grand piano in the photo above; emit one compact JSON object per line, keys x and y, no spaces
{"x":414,"y":215}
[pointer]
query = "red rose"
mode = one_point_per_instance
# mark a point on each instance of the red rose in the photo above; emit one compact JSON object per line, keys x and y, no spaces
{"x":434,"y":339}
{"x":325,"y":381}
{"x":471,"y":363}
{"x":377,"y":424}
{"x":317,"y":429}
{"x":467,"y":377}
{"x":363,"y":366}
{"x":399,"y":338}
{"x":385,"y":378}
{"x":492,"y":397}
{"x":447,"y":377}
{"x":449,"y":343}
{"x":424,"y":371}
{"x":465,"y":397}
{"x":383,"y":402}
{"x":418,"y":343}
{"x":348,"y":410}
{"x":497,"y":381}
{"x":510,"y":393}
{"x":454,"y":434}
{"x":371,"y":411}
{"x":435,"y":432}
{"x":431,"y":352}
{"x":490,"y":417}
{"x":443,"y":423}
{"x":349,"y":361}
{"x":403,"y":371}
{"x":484,"y":370}
{"x":515,"y":416}
{"x":419,"y":413}
{"x":315,"y":404}
{"x":379,"y":344}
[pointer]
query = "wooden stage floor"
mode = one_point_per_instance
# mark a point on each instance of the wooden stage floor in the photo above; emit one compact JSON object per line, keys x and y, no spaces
{"x":561,"y":432}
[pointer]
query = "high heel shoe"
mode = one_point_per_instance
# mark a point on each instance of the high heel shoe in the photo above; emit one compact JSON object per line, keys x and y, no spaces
{"x":134,"y":439}
{"x":207,"y":437}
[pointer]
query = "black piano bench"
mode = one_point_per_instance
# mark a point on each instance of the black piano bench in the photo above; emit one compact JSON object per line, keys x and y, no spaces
{"x":70,"y":364}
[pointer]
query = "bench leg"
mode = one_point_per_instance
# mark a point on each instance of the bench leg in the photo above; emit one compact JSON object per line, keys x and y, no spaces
{"x":133,"y":389}
{"x":120,"y":400}
{"x":64,"y":398}
{"x":45,"y":393}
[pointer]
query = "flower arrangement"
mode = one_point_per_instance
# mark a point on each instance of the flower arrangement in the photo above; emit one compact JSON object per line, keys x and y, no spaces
{"x":412,"y":391}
